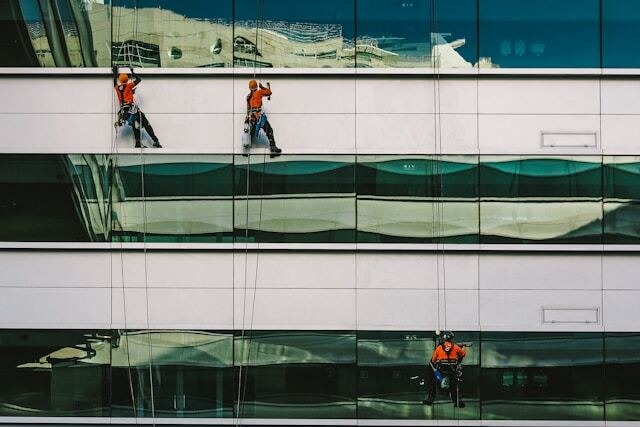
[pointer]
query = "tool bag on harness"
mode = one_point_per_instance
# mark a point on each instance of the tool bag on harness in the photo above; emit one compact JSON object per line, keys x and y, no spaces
{"x":127,"y":114}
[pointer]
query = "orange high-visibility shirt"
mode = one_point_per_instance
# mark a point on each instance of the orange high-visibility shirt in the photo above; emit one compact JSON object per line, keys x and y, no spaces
{"x":255,"y":100}
{"x":125,"y":92}
{"x":456,"y":353}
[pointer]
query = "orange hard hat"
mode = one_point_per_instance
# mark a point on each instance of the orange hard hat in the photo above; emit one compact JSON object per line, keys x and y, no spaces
{"x":123,"y":78}
{"x":253,"y":84}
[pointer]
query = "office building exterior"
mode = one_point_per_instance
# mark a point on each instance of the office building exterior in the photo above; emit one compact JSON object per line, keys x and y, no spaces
{"x":463,"y":165}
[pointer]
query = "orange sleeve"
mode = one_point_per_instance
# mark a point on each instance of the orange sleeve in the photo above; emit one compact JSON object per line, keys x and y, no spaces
{"x":264,"y":92}
{"x":434,"y":356}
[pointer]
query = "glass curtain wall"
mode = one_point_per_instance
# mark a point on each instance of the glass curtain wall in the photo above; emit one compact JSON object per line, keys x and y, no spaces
{"x":295,"y":199}
{"x":417,"y":199}
{"x":319,"y":199}
{"x":540,"y":199}
{"x":621,"y":199}
{"x":332,"y":34}
{"x":314,"y":375}
{"x":419,"y":33}
{"x":172,"y":198}
{"x":290,"y":374}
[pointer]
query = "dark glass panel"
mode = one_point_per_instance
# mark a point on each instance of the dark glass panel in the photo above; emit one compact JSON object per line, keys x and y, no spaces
{"x":52,"y":198}
{"x":187,"y":198}
{"x":172,"y":33}
{"x":295,"y":199}
{"x":291,"y":374}
{"x":393,"y":377}
{"x":620,"y":38}
{"x":621,"y":199}
{"x":405,"y":199}
{"x":54,"y":373}
{"x":622,"y":358}
{"x":419,"y":33}
{"x":294,"y":34}
{"x":536,"y":199}
{"x":542,"y":376}
{"x":191,"y":373}
{"x":540,"y":33}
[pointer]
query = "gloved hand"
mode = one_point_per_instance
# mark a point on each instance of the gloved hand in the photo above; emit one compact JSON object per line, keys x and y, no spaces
{"x":260,"y":86}
{"x":114,"y":69}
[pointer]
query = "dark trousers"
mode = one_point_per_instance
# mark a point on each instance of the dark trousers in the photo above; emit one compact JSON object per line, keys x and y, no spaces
{"x":267,"y":129}
{"x":141,"y":121}
{"x":432,"y":387}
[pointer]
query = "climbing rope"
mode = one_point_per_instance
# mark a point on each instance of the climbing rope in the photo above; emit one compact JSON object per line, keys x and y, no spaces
{"x":115,"y":158}
{"x":246,"y":338}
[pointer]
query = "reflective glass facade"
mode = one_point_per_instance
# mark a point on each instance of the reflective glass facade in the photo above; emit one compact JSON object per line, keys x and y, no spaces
{"x":320,"y":199}
{"x":334,"y":34}
{"x":314,"y":375}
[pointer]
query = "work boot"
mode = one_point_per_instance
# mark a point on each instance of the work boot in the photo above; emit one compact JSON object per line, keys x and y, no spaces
{"x":138,"y":145}
{"x":275,"y":151}
{"x":427,"y":402}
{"x":157,"y":144}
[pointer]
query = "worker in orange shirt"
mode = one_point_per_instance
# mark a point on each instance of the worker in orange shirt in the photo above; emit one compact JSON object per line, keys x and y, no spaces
{"x":445,"y":363}
{"x":125,"y":87}
{"x":256,"y":118}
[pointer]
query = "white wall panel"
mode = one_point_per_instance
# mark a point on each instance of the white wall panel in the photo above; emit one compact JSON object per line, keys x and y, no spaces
{"x":306,"y":133}
{"x":621,"y":134}
{"x":176,"y":269}
{"x":56,"y":133}
{"x":297,"y":309}
{"x":412,"y":96}
{"x":61,"y":308}
{"x":397,"y":309}
{"x":539,"y":272}
{"x":395,"y":133}
{"x":621,"y":311}
{"x":462,"y":311}
{"x":621,"y":272}
{"x":302,"y":95}
{"x":81,"y":95}
{"x":620,"y":96}
{"x":522,"y":134}
{"x":416,"y":133}
{"x":173,"y":308}
{"x":185,"y":133}
{"x":185,"y":95}
{"x":542,"y":96}
{"x":54,"y":269}
{"x":408,"y":270}
{"x":301,"y":270}
{"x":505,"y":310}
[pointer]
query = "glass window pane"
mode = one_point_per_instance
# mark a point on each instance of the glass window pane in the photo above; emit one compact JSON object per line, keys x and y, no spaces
{"x":417,"y":199}
{"x":620,"y":38}
{"x":172,"y":33}
{"x":293,"y":34}
{"x":540,"y":33}
{"x":57,"y":33}
{"x":621,"y":199}
{"x":540,"y":376}
{"x":191,"y":374}
{"x":185,"y":198}
{"x":622,"y":358}
{"x":54,"y":373}
{"x":288,"y":374}
{"x":393,"y":377}
{"x":53,"y":198}
{"x":419,"y":33}
{"x":295,"y":198}
{"x":535,"y":199}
